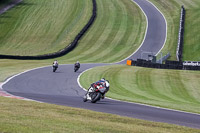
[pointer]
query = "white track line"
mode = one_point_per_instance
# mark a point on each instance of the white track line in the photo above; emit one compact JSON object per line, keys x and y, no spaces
{"x":17,"y":97}
{"x":147,"y":26}
{"x":134,"y":102}
{"x":13,"y":96}
{"x":165,"y":26}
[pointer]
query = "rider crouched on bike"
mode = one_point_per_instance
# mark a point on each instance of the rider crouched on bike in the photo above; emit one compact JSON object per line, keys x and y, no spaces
{"x":55,"y":63}
{"x":76,"y":66}
{"x":102,"y":83}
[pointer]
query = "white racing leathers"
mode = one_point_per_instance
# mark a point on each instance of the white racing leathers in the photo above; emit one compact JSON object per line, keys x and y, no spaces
{"x":55,"y":66}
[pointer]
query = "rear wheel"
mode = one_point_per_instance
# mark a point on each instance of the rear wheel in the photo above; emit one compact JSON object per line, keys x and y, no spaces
{"x":54,"y":69}
{"x":85,"y":98}
{"x":76,"y":69}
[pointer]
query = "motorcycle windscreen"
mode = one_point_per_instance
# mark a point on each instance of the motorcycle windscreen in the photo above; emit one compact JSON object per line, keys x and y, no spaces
{"x":102,"y":90}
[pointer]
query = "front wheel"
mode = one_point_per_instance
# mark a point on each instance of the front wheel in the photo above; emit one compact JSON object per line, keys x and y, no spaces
{"x":95,"y":97}
{"x":85,"y":98}
{"x":54,"y":69}
{"x":76,"y":69}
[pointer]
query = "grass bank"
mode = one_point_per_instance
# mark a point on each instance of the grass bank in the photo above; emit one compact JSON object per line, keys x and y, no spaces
{"x":24,"y":116}
{"x":192,"y":33}
{"x":117,"y":32}
{"x":171,"y":10}
{"x":165,"y":88}
{"x":38,"y":26}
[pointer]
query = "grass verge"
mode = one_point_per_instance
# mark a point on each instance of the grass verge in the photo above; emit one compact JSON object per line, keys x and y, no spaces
{"x":165,"y":88}
{"x":171,"y":10}
{"x":39,"y":27}
{"x":117,"y":32}
{"x":25,"y":116}
{"x":192,"y":34}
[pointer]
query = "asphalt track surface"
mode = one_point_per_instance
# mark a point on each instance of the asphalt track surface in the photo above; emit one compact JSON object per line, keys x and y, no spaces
{"x":14,"y":3}
{"x":62,"y":88}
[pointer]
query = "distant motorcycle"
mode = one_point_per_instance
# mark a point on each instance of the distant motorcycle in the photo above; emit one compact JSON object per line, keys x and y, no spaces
{"x":55,"y":67}
{"x":94,"y":94}
{"x":76,"y":68}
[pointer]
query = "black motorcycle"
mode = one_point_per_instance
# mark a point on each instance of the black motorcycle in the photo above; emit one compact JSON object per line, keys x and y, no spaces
{"x":76,"y":68}
{"x":55,"y":67}
{"x":94,"y":94}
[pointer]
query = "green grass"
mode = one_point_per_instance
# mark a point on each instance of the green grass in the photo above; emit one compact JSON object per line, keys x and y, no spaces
{"x":25,"y":116}
{"x":171,"y":10}
{"x":165,"y":88}
{"x":39,"y":26}
{"x":117,"y":32}
{"x":192,"y":33}
{"x":35,"y":28}
{"x":12,"y":67}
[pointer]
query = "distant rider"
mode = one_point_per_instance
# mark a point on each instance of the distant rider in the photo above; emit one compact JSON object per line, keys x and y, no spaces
{"x":76,"y":66}
{"x":55,"y":64}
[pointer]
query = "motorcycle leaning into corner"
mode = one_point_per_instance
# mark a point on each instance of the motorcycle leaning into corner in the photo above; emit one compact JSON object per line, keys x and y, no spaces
{"x":55,"y":66}
{"x":76,"y":66}
{"x":96,"y":92}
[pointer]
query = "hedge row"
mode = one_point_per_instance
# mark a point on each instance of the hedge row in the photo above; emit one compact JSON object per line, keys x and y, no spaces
{"x":64,"y":51}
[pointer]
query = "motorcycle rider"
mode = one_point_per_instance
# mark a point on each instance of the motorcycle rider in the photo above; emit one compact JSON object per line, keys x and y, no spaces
{"x":102,"y":83}
{"x":76,"y":65}
{"x":55,"y":64}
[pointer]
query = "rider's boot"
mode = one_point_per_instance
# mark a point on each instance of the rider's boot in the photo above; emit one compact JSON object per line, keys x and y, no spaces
{"x":103,"y":96}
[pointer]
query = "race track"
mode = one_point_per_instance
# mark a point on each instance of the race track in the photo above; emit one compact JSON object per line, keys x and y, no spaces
{"x":62,"y":87}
